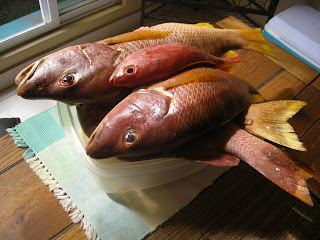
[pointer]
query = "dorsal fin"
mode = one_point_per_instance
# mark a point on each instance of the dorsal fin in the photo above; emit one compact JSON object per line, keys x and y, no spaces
{"x":205,"y":25}
{"x":142,"y":34}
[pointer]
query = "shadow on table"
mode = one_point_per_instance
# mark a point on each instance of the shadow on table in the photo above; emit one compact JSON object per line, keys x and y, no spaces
{"x":242,"y":204}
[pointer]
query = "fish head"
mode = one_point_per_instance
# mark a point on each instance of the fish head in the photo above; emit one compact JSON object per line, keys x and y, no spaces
{"x":132,"y":128}
{"x":132,"y":71}
{"x":76,"y":74}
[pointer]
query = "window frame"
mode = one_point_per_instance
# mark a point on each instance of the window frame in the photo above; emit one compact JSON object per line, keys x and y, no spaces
{"x":54,"y":18}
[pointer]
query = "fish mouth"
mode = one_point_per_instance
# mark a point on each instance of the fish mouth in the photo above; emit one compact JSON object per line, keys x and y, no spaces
{"x":27,"y":73}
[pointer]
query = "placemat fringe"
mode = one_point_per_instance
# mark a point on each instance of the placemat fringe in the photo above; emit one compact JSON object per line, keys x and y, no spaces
{"x":58,"y":191}
{"x":91,"y":234}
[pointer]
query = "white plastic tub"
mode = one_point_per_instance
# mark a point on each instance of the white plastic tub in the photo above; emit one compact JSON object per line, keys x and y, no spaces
{"x":297,"y":30}
{"x":113,"y":175}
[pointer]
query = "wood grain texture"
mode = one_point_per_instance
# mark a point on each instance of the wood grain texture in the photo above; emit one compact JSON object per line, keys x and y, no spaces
{"x":9,"y":152}
{"x":316,"y":83}
{"x":76,"y":232}
{"x":256,"y":68}
{"x":311,"y":142}
{"x":292,"y":64}
{"x":28,"y":210}
{"x":310,"y":113}
{"x":283,"y":86}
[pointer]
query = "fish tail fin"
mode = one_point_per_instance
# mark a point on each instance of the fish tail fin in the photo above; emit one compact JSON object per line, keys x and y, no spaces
{"x":271,"y":162}
{"x":255,"y":40}
{"x":230,"y":58}
{"x":269,"y":121}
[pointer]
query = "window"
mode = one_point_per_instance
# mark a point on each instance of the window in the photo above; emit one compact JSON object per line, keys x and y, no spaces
{"x":21,"y":22}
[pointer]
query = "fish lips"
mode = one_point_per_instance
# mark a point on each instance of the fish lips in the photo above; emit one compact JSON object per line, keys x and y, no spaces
{"x":25,"y":75}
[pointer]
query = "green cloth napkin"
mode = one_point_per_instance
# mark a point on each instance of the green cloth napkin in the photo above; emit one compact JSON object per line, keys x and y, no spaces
{"x":125,"y":215}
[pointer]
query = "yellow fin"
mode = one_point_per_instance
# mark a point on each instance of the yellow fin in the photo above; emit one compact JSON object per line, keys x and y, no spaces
{"x":193,"y":75}
{"x":205,"y":25}
{"x":141,"y":34}
{"x":229,"y":54}
{"x":255,"y":40}
{"x":228,"y":67}
{"x":269,"y":121}
{"x":257,"y":98}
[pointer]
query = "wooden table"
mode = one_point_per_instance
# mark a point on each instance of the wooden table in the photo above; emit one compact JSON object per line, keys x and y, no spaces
{"x":241,"y":204}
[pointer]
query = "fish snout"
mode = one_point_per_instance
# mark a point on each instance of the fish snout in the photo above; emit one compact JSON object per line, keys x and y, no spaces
{"x":97,"y":147}
{"x":27,"y":73}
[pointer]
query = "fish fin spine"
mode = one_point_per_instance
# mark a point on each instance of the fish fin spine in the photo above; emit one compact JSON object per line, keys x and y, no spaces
{"x":231,"y":57}
{"x":139,"y":34}
{"x":269,"y":121}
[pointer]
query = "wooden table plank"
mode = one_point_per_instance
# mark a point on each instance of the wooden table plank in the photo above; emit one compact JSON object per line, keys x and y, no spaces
{"x":9,"y":152}
{"x":286,"y":60}
{"x":256,"y":68}
{"x":283,"y":86}
{"x":316,"y":83}
{"x":75,"y":232}
{"x":312,"y":143}
{"x":292,"y":64}
{"x":28,"y":210}
{"x":310,"y":113}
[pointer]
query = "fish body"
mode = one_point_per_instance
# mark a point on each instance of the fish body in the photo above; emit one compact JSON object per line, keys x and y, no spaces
{"x":152,"y":120}
{"x":206,"y":38}
{"x":79,"y":74}
{"x":151,"y":64}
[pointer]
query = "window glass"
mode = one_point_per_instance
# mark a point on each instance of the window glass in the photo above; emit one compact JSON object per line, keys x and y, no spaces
{"x":67,"y":3}
{"x":16,"y":17}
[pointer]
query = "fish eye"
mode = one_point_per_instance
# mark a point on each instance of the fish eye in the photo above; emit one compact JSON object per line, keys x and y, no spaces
{"x":130,"y":137}
{"x":68,"y":80}
{"x":130,"y":70}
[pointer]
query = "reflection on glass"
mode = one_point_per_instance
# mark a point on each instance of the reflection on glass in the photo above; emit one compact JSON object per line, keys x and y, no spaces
{"x":16,"y":17}
{"x":67,"y":3}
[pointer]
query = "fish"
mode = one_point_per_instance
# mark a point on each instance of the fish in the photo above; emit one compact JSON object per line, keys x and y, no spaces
{"x":171,"y":112}
{"x":197,"y":121}
{"x":202,"y":36}
{"x":157,"y":62}
{"x":269,"y":160}
{"x":79,"y":74}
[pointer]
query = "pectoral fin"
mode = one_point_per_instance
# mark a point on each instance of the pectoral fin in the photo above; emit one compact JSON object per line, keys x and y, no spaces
{"x":221,"y":160}
{"x":141,"y":34}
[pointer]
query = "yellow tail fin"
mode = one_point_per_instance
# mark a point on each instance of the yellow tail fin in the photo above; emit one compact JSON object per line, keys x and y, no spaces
{"x":255,"y":41}
{"x":269,"y":121}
